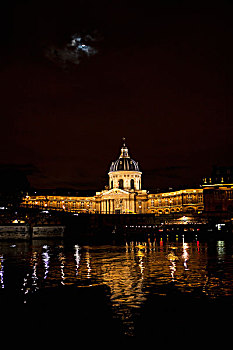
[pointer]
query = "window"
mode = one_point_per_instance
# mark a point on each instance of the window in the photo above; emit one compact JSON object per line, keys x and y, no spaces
{"x":132,"y":184}
{"x":111,"y":184}
{"x":120,"y":183}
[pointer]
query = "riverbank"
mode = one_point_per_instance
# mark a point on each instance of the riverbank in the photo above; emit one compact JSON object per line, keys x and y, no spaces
{"x":127,"y":225}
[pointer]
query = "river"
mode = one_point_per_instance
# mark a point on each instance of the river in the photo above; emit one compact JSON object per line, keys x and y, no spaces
{"x":139,"y":275}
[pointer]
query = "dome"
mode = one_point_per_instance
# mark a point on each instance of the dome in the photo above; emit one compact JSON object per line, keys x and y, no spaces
{"x":124,"y":163}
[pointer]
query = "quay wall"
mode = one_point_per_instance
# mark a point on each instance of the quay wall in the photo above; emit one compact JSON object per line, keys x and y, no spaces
{"x":14,"y":232}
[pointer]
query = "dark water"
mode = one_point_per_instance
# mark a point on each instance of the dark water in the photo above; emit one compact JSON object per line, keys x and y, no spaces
{"x":165,"y":280}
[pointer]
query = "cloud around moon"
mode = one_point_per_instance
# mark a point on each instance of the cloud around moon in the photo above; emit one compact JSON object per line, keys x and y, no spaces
{"x":75,"y":51}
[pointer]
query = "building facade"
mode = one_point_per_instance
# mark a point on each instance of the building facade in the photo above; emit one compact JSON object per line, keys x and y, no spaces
{"x":124,"y":195}
{"x":218,"y":190}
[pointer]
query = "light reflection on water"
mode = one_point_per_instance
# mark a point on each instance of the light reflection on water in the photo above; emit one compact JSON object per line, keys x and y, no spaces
{"x":132,"y":270}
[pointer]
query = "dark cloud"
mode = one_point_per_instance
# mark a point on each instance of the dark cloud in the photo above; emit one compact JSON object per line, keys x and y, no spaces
{"x":78,"y":48}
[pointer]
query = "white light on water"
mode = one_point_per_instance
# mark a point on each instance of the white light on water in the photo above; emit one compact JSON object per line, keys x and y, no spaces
{"x":1,"y":271}
{"x":46,"y":259}
{"x":77,"y":257}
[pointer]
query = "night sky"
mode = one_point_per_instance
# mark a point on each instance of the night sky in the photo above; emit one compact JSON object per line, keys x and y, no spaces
{"x":78,"y":76}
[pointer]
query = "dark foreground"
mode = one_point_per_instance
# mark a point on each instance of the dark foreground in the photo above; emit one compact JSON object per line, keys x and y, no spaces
{"x":83,"y":315}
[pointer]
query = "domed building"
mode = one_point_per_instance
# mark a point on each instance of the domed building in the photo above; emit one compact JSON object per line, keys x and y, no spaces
{"x":124,"y":195}
{"x":124,"y":190}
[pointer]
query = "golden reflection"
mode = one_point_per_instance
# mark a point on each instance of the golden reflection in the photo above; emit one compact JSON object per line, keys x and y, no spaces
{"x":141,"y":255}
{"x":61,"y":258}
{"x":141,"y":246}
{"x":172,"y":257}
{"x":173,"y":270}
{"x":131,"y":271}
{"x":88,"y":260}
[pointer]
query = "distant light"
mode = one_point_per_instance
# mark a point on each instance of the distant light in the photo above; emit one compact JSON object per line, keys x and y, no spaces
{"x":219,"y":226}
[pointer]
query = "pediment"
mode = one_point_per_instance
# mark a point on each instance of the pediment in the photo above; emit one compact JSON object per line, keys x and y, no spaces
{"x":115,"y":193}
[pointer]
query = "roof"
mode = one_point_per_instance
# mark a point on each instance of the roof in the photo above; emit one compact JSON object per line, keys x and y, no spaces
{"x":124,"y":162}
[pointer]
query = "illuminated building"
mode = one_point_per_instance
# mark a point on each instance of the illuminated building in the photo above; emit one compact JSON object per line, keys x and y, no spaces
{"x":124,"y":195}
{"x":188,"y":201}
{"x":218,"y":190}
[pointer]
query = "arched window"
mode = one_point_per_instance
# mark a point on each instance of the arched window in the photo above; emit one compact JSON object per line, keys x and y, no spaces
{"x":132,"y":184}
{"x":120,"y":182}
